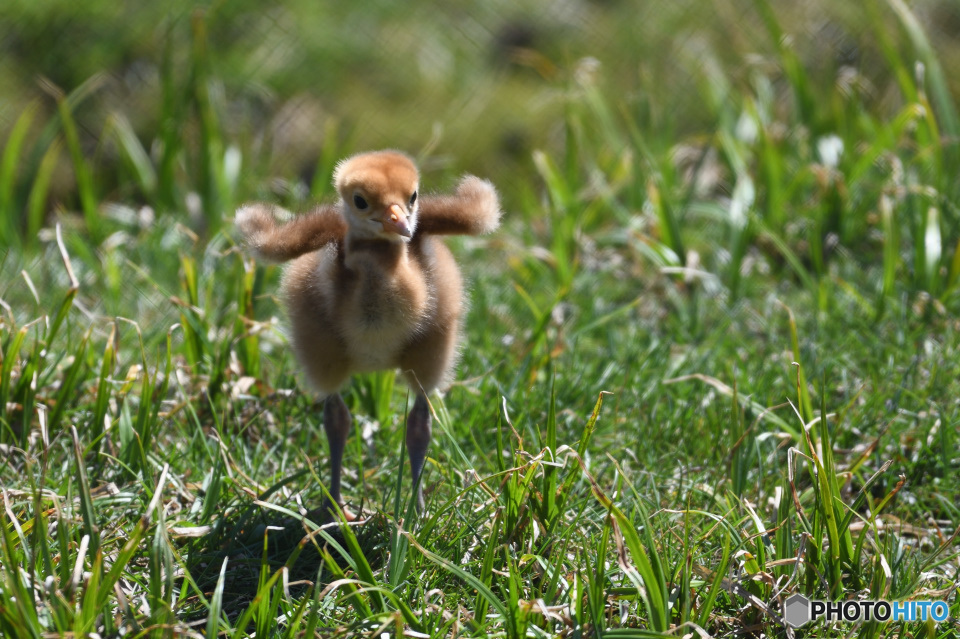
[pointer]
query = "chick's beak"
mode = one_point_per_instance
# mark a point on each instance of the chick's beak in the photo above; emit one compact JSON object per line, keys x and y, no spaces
{"x":395,"y":220}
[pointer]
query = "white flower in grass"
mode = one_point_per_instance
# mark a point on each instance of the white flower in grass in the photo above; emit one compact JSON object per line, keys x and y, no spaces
{"x":742,"y":199}
{"x":747,"y":129}
{"x":830,"y":148}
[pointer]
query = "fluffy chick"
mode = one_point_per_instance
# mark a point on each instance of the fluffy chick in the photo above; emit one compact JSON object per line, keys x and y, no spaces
{"x":369,"y":286}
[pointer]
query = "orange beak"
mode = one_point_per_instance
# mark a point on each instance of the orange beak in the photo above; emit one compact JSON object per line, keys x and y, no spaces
{"x":395,"y":220}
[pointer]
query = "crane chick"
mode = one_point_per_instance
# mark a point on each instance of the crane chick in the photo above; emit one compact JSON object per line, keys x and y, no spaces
{"x":370,"y":286}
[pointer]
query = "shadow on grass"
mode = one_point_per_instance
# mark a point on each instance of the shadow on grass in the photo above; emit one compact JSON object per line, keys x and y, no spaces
{"x":257,"y":542}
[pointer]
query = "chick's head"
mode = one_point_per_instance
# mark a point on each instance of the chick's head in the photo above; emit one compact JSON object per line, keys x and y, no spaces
{"x":379,"y":195}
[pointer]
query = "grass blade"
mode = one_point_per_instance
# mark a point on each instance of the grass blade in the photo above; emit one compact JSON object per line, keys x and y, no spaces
{"x":133,"y":152}
{"x":86,"y":500}
{"x":81,"y":171}
{"x":10,"y":162}
{"x":37,"y":200}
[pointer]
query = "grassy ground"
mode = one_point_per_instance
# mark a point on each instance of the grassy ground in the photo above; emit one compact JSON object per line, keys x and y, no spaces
{"x":711,"y":359}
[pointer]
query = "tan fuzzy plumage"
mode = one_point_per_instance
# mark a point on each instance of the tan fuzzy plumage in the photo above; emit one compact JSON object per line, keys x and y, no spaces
{"x":274,"y":235}
{"x":369,"y":285}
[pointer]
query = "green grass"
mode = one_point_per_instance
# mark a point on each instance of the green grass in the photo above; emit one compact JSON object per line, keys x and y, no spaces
{"x":708,"y":362}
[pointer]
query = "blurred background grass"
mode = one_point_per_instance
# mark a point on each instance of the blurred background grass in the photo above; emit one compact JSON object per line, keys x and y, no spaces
{"x":478,"y":84}
{"x":734,"y":136}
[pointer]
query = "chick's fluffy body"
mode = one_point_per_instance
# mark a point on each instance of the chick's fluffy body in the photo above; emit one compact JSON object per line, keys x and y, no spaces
{"x":361,"y":299}
{"x":375,"y":307}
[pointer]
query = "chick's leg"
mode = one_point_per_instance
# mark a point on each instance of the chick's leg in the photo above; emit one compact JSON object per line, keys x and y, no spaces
{"x":418,"y":439}
{"x":336,"y":423}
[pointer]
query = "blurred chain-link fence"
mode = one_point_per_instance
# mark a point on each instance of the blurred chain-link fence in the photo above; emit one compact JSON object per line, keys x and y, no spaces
{"x":481,"y":82}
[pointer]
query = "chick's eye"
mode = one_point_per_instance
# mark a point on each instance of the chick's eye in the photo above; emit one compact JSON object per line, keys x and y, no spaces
{"x":359,"y":202}
{"x":413,"y":198}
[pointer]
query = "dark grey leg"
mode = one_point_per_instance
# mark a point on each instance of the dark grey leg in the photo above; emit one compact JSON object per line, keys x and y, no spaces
{"x":336,"y":423}
{"x":418,"y":438}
